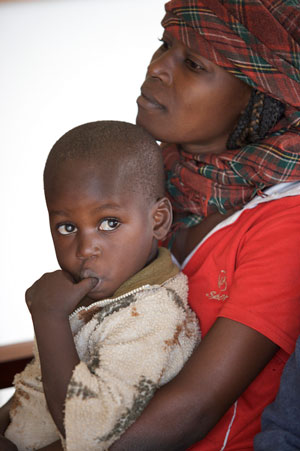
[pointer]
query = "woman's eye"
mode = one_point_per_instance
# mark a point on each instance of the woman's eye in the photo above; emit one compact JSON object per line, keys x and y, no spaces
{"x":193,"y":65}
{"x":66,"y":229}
{"x":109,"y":224}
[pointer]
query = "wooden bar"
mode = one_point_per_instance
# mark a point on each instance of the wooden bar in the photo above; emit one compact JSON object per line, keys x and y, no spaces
{"x":13,"y":359}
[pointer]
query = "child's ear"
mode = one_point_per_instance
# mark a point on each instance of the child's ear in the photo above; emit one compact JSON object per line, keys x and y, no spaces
{"x":162,"y":216}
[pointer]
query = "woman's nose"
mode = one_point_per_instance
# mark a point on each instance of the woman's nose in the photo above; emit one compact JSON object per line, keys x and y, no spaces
{"x":88,"y":246}
{"x":162,"y":66}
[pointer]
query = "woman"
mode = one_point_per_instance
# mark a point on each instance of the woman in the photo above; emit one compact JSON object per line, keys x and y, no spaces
{"x":224,"y":91}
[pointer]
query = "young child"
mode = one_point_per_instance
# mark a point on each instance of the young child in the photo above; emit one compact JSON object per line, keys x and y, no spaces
{"x":113,"y":324}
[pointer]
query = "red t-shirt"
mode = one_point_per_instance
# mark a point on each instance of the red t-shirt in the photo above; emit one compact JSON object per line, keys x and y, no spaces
{"x":248,"y":270}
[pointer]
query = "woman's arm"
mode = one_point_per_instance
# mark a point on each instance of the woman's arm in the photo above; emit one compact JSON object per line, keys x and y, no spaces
{"x":182,"y":412}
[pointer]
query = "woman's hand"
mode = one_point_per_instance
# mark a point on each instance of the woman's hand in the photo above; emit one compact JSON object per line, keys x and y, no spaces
{"x":57,"y":294}
{"x":7,"y":445}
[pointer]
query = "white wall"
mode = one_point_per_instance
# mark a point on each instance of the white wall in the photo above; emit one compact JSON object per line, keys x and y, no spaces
{"x":63,"y":63}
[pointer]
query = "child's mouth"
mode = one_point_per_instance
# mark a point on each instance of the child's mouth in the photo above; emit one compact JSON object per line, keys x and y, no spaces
{"x":97,"y":286}
{"x":86,"y":273}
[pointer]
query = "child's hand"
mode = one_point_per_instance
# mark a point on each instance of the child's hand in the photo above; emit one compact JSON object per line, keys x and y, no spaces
{"x":50,"y":300}
{"x":7,"y":445}
{"x":57,"y":294}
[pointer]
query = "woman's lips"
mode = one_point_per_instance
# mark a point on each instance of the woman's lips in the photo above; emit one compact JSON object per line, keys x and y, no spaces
{"x":147,"y":101}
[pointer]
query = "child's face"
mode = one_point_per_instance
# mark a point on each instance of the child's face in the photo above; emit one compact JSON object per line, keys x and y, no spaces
{"x":99,"y":228}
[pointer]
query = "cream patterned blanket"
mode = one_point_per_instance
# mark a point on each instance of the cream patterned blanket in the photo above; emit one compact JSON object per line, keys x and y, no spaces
{"x":129,"y":346}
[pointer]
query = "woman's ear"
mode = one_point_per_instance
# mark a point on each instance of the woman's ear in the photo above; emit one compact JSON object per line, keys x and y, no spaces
{"x":162,"y":218}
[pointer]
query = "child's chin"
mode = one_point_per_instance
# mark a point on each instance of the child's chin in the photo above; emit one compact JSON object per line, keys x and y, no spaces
{"x":100,"y":294}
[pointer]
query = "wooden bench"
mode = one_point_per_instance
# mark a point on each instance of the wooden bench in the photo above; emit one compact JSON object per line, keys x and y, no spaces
{"x":13,"y":359}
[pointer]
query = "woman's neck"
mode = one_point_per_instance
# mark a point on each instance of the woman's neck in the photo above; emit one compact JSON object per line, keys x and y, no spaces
{"x":217,"y":147}
{"x":187,"y":239}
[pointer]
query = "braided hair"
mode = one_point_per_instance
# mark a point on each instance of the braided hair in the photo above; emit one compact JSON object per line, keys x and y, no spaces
{"x":257,"y":119}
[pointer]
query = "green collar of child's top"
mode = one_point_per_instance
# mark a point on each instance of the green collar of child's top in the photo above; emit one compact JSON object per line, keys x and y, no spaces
{"x":155,"y":273}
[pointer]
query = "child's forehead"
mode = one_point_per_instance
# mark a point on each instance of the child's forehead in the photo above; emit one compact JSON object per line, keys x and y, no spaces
{"x":91,"y":178}
{"x":85,"y":168}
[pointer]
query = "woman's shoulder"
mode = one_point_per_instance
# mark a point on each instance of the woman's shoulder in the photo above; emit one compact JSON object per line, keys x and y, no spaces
{"x":274,"y":213}
{"x":277,"y":204}
{"x":284,"y":197}
{"x":275,"y":195}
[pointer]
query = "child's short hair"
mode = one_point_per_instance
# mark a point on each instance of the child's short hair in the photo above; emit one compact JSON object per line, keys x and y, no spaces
{"x":108,"y":142}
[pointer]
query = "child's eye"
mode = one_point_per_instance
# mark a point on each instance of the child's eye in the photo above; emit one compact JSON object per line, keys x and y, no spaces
{"x":109,"y":224}
{"x":193,"y":65}
{"x":66,"y":229}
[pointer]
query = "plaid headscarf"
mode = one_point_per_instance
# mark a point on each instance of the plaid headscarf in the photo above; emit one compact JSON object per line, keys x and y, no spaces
{"x":257,"y":41}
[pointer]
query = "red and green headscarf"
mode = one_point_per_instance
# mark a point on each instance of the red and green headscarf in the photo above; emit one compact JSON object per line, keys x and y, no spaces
{"x":257,"y":41}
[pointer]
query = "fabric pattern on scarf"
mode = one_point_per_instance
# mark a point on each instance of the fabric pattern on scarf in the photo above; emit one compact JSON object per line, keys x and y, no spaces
{"x":258,"y":42}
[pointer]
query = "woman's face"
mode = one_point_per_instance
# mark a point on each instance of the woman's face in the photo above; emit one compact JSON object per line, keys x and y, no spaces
{"x":188,"y":100}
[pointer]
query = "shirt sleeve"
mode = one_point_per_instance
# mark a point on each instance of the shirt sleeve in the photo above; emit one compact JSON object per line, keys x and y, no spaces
{"x":130,"y":352}
{"x":280,"y":420}
{"x":265,"y":290}
{"x":31,"y":426}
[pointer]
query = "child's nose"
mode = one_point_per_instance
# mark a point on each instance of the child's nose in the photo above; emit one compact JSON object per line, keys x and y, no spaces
{"x":88,"y":245}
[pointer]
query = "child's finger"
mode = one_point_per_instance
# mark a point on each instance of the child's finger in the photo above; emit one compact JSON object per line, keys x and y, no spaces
{"x":86,"y":285}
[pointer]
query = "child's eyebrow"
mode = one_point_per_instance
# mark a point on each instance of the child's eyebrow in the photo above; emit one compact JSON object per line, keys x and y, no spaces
{"x":108,"y":206}
{"x":58,"y":213}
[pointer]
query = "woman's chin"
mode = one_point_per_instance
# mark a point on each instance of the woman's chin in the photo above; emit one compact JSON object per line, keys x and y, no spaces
{"x":150,"y":125}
